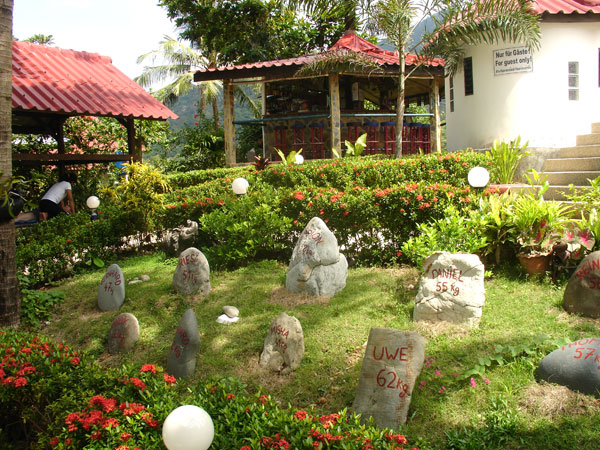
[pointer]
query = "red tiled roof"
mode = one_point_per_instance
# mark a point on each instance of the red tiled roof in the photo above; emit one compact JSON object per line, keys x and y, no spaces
{"x":566,"y":6}
{"x":349,"y":41}
{"x":51,"y":79}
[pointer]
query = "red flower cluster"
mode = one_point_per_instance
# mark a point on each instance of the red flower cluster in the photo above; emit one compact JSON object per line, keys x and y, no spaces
{"x":328,"y":420}
{"x":276,"y":442}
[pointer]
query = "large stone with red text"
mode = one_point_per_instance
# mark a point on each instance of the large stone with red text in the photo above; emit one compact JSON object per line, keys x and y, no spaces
{"x":451,"y":289}
{"x":192,"y":275}
{"x":284,"y":345}
{"x":123,"y":334}
{"x":317,"y":267}
{"x":582,"y":294}
{"x":111,"y":292}
{"x":186,"y":343}
{"x":575,"y":365}
{"x":393,"y":361}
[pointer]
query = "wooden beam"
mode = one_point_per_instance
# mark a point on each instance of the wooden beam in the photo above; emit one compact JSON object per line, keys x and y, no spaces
{"x":436,"y":129}
{"x":134,"y":150}
{"x":336,"y":124}
{"x":67,"y":158}
{"x":229,"y":127}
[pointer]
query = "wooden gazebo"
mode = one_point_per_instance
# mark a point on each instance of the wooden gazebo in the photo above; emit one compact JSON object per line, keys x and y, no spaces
{"x":51,"y":84}
{"x":317,"y":112}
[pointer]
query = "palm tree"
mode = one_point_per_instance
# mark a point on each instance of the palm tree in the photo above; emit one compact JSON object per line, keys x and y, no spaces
{"x":180,"y":60}
{"x":41,"y":39}
{"x":9,"y":293}
{"x":353,"y":11}
{"x":457,"y":23}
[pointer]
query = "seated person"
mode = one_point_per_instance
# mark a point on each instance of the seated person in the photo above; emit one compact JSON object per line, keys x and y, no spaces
{"x":52,"y":203}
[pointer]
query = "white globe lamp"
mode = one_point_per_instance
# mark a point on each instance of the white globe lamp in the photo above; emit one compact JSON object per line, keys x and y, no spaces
{"x":478,"y":177}
{"x":240,"y":186}
{"x":188,"y":428}
{"x":299,"y":159}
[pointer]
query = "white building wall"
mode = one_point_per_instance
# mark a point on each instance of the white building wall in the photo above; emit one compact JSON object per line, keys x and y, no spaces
{"x":534,"y":105}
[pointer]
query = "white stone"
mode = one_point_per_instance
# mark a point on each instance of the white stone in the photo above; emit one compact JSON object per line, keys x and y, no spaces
{"x":284,"y":345}
{"x":226,"y":320}
{"x":451,"y":289}
{"x":111,"y":292}
{"x":145,"y":277}
{"x":192,"y":274}
{"x":231,"y":311}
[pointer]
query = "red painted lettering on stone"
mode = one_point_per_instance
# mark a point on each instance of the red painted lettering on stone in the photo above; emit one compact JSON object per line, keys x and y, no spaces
{"x":587,"y":268}
{"x":120,"y":320}
{"x":315,"y":235}
{"x":277,"y":329}
{"x":398,"y":354}
{"x":389,"y":380}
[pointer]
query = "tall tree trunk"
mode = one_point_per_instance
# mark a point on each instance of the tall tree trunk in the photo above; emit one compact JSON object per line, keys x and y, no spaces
{"x":10,"y":303}
{"x":215,"y":108}
{"x":400,"y":102}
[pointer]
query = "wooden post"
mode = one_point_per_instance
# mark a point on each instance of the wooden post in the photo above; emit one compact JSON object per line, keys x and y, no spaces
{"x":134,"y":150}
{"x":229,"y":128}
{"x":436,"y":129}
{"x":336,"y":124}
{"x":59,"y":136}
{"x":264,"y":113}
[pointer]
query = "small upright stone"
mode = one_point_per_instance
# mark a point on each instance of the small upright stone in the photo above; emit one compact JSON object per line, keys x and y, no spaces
{"x":451,"y":289}
{"x":192,"y":274}
{"x":231,"y":311}
{"x":111,"y":292}
{"x":393,"y":361}
{"x":284,"y":345}
{"x":123,"y":334}
{"x":317,"y":267}
{"x":186,"y":343}
{"x":582,"y":294}
{"x":575,"y":365}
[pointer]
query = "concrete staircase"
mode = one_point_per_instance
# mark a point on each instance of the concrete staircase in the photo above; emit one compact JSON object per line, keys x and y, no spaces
{"x":574,"y":165}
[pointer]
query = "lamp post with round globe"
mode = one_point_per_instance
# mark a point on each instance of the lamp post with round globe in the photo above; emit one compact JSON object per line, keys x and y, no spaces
{"x":93,"y":202}
{"x":240,"y":186}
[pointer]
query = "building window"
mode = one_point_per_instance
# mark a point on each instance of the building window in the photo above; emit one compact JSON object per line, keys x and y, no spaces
{"x":468,"y":65}
{"x":573,"y":80}
{"x":451,"y":94}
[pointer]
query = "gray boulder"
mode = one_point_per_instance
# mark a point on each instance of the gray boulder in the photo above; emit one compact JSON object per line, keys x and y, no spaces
{"x":181,"y":361}
{"x":178,"y":239}
{"x":284,"y":345}
{"x":582,"y":294}
{"x":123,"y":334}
{"x":317,"y":267}
{"x":575,"y":365}
{"x":192,"y":274}
{"x":393,"y":361}
{"x":111,"y":292}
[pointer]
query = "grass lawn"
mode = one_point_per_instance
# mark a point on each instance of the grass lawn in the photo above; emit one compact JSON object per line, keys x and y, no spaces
{"x":511,"y":411}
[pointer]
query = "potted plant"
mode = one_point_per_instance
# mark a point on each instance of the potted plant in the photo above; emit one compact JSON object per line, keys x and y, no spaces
{"x":537,"y":225}
{"x":505,"y":159}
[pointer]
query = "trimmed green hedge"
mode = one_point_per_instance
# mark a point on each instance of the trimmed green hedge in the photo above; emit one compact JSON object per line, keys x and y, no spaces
{"x":372,"y":205}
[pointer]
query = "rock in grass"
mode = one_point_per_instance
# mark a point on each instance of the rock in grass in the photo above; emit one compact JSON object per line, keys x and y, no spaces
{"x":317,"y":267}
{"x":192,"y":274}
{"x":575,"y":365}
{"x":231,"y":311}
{"x":186,"y":343}
{"x":111,"y":292}
{"x":393,"y":361}
{"x":451,"y":289}
{"x":284,"y":345}
{"x":123,"y":334}
{"x":582,"y":294}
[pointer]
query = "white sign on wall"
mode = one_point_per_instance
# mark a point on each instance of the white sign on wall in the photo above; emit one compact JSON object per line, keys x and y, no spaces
{"x":512,"y":60}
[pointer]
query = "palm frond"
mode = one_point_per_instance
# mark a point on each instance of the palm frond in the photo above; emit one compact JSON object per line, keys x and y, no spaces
{"x":181,"y":86}
{"x":337,"y":61}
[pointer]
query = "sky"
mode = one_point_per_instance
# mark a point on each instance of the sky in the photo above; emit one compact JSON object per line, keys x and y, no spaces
{"x":120,"y":29}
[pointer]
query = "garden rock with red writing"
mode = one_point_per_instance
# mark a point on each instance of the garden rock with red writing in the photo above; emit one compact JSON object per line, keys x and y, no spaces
{"x":582,"y":294}
{"x":123,"y":333}
{"x":192,"y":275}
{"x":111,"y":292}
{"x":317,"y":267}
{"x":393,"y":361}
{"x":451,"y":289}
{"x":186,"y":343}
{"x":284,"y":345}
{"x":575,"y":365}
